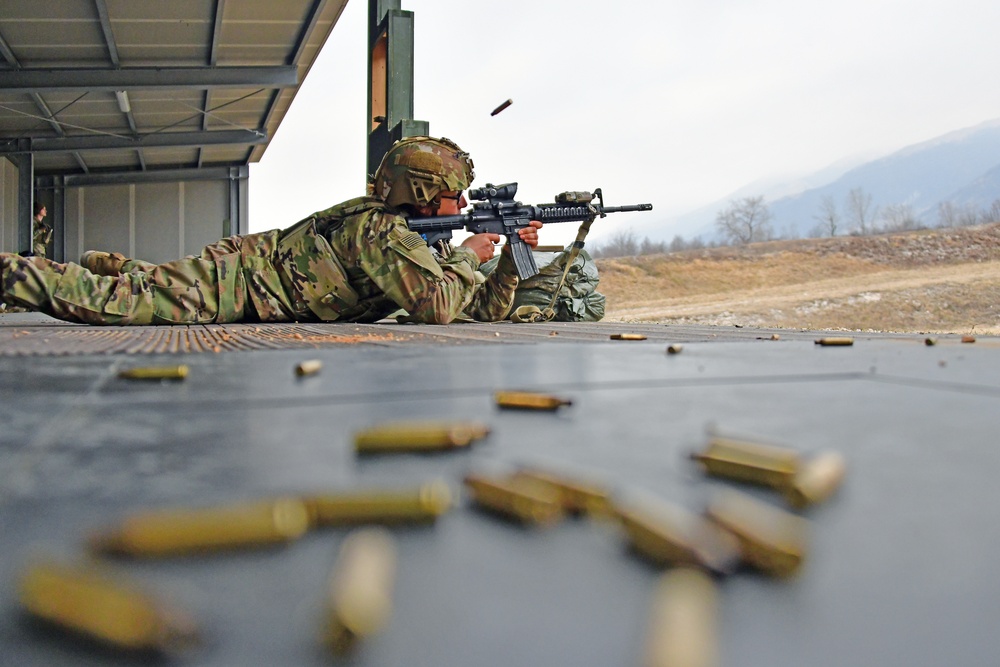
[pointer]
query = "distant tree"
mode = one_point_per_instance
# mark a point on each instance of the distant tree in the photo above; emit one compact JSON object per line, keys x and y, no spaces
{"x":947,"y":214}
{"x":860,"y":211}
{"x":677,"y":244}
{"x":745,"y":221}
{"x":900,"y":218}
{"x":828,"y":216}
{"x":622,"y":244}
{"x":968,"y":216}
{"x":650,"y":247}
{"x":992,"y":214}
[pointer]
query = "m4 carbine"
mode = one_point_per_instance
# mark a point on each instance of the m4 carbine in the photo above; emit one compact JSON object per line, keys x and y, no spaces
{"x":494,"y":211}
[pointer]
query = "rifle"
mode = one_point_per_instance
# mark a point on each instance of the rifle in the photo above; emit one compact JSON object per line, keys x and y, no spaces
{"x":495,"y":211}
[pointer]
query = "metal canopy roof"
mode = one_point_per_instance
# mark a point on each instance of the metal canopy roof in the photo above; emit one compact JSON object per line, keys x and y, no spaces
{"x":95,"y":86}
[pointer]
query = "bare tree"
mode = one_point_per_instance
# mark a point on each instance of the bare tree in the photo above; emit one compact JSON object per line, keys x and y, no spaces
{"x":622,"y":244}
{"x":828,"y":216}
{"x":745,"y":221}
{"x":860,"y":211}
{"x":650,"y":247}
{"x":900,"y":218}
{"x":947,"y":215}
{"x":968,"y":216}
{"x":992,"y":214}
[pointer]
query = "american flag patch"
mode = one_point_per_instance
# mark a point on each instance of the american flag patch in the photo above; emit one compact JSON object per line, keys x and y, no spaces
{"x":411,"y":240}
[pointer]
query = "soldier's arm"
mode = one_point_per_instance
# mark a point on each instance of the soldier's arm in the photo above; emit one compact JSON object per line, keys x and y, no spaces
{"x":398,"y":261}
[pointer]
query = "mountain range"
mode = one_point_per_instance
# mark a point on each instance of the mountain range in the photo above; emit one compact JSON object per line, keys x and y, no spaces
{"x":961,"y":168}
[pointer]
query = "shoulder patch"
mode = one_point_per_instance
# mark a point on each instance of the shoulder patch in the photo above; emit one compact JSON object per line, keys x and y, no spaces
{"x":411,"y":240}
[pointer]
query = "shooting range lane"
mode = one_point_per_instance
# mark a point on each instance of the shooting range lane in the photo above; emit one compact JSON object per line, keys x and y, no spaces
{"x":899,"y":569}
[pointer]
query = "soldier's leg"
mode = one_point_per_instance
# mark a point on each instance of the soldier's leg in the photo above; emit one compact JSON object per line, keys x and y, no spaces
{"x":113,"y":263}
{"x":182,"y":292}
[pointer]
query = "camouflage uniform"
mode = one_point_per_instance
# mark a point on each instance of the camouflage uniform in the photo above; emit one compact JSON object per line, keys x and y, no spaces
{"x":41,"y":239}
{"x":355,"y":262}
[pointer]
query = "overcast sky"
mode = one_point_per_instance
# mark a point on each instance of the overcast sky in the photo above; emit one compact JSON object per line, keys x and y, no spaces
{"x":675,"y":103}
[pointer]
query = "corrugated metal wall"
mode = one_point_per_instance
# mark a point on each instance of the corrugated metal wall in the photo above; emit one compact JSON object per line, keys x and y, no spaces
{"x":8,"y":206}
{"x":157,"y":222}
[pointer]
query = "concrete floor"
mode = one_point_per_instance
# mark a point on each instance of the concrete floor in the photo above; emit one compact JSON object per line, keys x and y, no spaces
{"x":901,"y":567}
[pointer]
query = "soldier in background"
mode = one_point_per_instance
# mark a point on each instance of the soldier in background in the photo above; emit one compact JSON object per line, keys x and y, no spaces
{"x":354,"y":262}
{"x":41,"y":233}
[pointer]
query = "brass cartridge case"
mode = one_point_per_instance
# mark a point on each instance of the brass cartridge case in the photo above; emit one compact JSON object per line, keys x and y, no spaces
{"x":771,"y":539}
{"x":627,"y":336}
{"x":93,"y":604}
{"x":817,"y":480}
{"x":676,"y":348}
{"x":669,"y":535}
{"x":522,"y":500}
{"x":360,"y":590}
{"x":968,"y":339}
{"x":835,"y":340}
{"x":418,"y":436}
{"x":767,"y":465}
{"x":178,"y":372}
{"x":526,"y":400}
{"x":308,"y":367}
{"x":575,"y":496}
{"x":423,"y":504}
{"x":683,"y":621}
{"x":185,"y":531}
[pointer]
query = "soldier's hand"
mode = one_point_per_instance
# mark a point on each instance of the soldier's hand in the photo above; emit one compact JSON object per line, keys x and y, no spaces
{"x":530,"y":234}
{"x":483,"y":245}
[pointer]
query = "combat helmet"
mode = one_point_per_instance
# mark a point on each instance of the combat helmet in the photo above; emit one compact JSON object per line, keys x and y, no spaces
{"x":416,"y":169}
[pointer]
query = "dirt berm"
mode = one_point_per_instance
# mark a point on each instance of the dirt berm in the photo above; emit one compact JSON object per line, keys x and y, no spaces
{"x":939,"y":280}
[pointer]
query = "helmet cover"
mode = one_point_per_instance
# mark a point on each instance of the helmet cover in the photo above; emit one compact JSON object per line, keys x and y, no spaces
{"x":416,"y":169}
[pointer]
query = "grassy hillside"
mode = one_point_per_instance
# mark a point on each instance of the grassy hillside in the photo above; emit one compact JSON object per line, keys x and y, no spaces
{"x":941,"y":280}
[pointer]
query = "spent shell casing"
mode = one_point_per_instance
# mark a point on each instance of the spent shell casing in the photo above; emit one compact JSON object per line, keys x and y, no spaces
{"x":930,"y":341}
{"x":968,"y":339}
{"x":95,"y":604}
{"x":501,"y":107}
{"x":418,"y":436}
{"x":834,"y":340}
{"x":526,"y":400}
{"x":771,"y":539}
{"x":178,"y":372}
{"x":669,"y":535}
{"x":423,"y":504}
{"x":360,"y":590}
{"x":575,"y":496}
{"x":185,"y":531}
{"x":627,"y":336}
{"x":752,"y":462}
{"x":308,"y":367}
{"x":676,"y":348}
{"x":817,"y":480}
{"x":683,"y":621}
{"x":522,"y":500}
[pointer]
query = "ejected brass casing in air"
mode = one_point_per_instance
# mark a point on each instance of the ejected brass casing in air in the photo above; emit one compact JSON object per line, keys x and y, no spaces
{"x":817,"y":480}
{"x":669,"y":535}
{"x":627,"y":336}
{"x":575,"y":496}
{"x":683,"y":620}
{"x":749,"y":462}
{"x":360,"y":592}
{"x":526,"y":400}
{"x":178,"y":372}
{"x":184,"y":531}
{"x":523,"y":500}
{"x":418,"y":436}
{"x":771,"y":539}
{"x":92,"y":603}
{"x":423,"y":504}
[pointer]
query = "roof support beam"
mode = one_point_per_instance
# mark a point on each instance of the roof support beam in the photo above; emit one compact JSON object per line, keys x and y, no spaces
{"x":106,"y":142}
{"x":145,"y":78}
